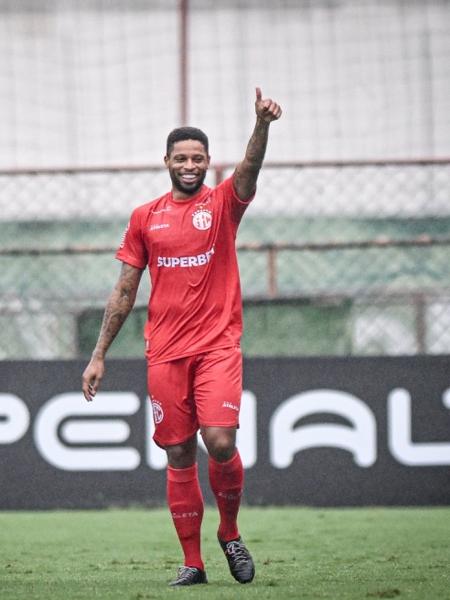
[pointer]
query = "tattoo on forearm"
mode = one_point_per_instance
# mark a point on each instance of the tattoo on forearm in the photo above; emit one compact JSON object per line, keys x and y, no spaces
{"x":118,"y":308}
{"x":247,"y":171}
{"x":257,"y":144}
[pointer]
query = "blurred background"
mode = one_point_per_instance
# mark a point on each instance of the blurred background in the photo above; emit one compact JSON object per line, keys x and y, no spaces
{"x":346,"y":249}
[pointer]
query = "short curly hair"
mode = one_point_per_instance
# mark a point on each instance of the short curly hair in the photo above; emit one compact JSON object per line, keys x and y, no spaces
{"x":186,"y":133}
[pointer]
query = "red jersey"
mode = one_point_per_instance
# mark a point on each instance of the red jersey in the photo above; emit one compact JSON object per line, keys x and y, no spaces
{"x":189,"y":246}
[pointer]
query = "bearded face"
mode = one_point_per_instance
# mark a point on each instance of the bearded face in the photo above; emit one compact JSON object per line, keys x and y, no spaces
{"x":188,"y":164}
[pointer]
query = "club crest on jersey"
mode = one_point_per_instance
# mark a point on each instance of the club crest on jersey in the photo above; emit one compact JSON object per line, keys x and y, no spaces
{"x":158,"y":413}
{"x":202,"y":219}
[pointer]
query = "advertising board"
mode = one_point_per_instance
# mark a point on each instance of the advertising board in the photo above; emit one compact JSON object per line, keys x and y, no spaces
{"x":313,"y":431}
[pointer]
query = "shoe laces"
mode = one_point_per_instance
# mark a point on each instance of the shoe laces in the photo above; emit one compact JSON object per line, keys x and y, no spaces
{"x":184,"y":572}
{"x":238,"y":552}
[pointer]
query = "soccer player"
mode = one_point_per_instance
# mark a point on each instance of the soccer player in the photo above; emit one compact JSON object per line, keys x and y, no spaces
{"x":194,"y":363}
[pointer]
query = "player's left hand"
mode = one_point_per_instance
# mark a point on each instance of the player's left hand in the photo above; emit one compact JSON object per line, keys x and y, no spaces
{"x":266,"y":109}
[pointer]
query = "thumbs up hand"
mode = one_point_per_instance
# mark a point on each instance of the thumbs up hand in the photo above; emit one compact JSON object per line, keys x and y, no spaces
{"x":266,"y":109}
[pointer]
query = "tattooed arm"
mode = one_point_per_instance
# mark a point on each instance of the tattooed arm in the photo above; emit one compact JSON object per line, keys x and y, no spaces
{"x":246,"y":173}
{"x":117,"y":310}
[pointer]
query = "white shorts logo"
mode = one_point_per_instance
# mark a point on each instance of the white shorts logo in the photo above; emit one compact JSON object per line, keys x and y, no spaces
{"x":229,"y":405}
{"x":158,"y":413}
{"x":202,"y":219}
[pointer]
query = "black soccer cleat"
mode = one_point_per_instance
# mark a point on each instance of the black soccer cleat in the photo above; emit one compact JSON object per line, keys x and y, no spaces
{"x":189,"y":576}
{"x":239,"y":560}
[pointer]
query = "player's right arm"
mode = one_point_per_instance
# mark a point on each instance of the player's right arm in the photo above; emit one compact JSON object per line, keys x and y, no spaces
{"x":117,"y":309}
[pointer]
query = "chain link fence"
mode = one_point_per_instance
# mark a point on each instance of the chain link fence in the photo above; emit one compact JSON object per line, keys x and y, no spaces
{"x":336,"y":258}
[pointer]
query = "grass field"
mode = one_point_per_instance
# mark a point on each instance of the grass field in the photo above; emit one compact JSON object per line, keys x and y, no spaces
{"x":300,"y":553}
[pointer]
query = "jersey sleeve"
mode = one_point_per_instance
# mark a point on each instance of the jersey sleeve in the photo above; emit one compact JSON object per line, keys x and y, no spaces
{"x":236,"y":206}
{"x":132,"y":249}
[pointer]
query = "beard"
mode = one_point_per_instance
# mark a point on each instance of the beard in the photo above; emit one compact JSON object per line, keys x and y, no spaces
{"x":186,"y":188}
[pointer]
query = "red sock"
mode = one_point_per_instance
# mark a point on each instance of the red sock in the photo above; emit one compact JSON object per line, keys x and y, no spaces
{"x":226,"y":480}
{"x":186,"y":506}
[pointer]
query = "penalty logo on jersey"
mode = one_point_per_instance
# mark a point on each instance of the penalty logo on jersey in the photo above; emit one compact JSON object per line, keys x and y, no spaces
{"x":122,"y":242}
{"x":202,"y":219}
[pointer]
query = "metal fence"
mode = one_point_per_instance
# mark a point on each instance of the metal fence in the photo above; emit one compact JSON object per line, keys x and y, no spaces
{"x":335,"y":257}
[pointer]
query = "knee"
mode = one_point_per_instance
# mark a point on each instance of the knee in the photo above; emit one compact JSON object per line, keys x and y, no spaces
{"x":181,"y":456}
{"x":220,"y":442}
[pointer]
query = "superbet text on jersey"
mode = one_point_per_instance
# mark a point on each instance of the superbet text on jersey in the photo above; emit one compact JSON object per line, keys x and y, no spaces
{"x":189,"y":246}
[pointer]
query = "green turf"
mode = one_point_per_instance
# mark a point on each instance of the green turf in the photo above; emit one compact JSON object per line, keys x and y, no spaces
{"x":300,"y":553}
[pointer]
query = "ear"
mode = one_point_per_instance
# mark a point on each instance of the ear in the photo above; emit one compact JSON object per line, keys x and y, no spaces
{"x":166,"y":160}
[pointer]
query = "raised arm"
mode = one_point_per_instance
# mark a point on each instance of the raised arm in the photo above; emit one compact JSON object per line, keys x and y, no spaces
{"x":247,"y":171}
{"x":117,"y":309}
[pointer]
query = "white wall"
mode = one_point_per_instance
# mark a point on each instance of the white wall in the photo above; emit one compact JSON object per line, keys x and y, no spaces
{"x":94,"y":82}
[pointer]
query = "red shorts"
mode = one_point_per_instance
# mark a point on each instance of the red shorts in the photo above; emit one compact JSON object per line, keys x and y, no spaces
{"x":196,"y":391}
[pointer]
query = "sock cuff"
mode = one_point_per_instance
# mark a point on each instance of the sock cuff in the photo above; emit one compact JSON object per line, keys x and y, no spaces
{"x":182,"y":475}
